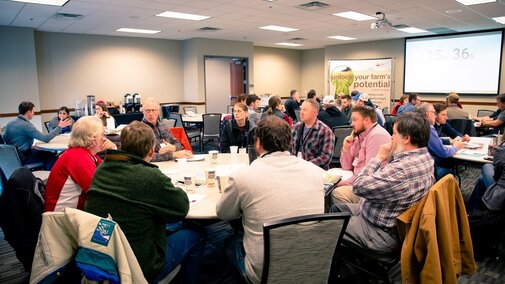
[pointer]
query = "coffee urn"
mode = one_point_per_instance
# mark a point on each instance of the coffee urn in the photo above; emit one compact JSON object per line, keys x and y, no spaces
{"x":136,"y":102}
{"x":128,"y":103}
{"x":91,"y":105}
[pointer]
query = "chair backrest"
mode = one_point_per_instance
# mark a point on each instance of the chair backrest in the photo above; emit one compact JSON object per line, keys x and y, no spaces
{"x":21,"y":208}
{"x":178,"y":119}
{"x":170,"y":122}
{"x":47,"y":124}
{"x":340,"y":133}
{"x":484,"y":112}
{"x":297,"y":114}
{"x":190,"y":108}
{"x":388,"y":125}
{"x":301,"y":249}
{"x":229,"y":109}
{"x":9,"y":160}
{"x":211,"y":124}
{"x":447,"y":220}
{"x":463,"y":126}
{"x":81,"y":236}
{"x":167,"y":109}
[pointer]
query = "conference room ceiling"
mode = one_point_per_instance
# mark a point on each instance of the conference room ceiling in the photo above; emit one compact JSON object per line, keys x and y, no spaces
{"x":240,"y":20}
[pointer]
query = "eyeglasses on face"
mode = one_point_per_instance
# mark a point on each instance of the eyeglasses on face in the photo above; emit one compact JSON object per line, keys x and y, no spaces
{"x":151,"y":110}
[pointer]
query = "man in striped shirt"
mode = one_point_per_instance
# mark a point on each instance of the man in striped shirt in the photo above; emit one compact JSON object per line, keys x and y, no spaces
{"x":388,"y":191}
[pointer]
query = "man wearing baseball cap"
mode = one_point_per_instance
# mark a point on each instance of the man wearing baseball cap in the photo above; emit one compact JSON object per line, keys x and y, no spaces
{"x":364,"y":100}
{"x":330,"y":115}
{"x":453,"y":110}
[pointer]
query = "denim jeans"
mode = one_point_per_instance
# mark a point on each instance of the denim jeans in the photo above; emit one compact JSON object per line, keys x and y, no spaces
{"x":440,"y":172}
{"x":234,"y":250}
{"x":483,"y":183}
{"x":184,"y":247}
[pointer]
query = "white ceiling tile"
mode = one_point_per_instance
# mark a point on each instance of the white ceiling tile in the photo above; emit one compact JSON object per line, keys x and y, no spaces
{"x":240,"y":19}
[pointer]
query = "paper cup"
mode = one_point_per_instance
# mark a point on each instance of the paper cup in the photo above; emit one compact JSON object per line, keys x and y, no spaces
{"x":210,"y":177}
{"x":234,"y":149}
{"x":222,"y":182}
{"x":189,"y":183}
{"x":242,"y":151}
{"x":213,"y":154}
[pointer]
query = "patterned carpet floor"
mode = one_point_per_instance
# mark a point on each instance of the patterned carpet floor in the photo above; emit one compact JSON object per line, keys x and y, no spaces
{"x":216,"y":269}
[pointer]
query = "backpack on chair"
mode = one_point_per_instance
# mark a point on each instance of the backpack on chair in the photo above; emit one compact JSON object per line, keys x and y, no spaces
{"x":21,"y":208}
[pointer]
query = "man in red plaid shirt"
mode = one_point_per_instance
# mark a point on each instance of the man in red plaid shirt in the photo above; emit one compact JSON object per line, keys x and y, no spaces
{"x":311,"y":139}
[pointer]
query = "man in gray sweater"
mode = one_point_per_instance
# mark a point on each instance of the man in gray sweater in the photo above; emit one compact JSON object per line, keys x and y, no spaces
{"x":288,"y":187}
{"x":20,"y":132}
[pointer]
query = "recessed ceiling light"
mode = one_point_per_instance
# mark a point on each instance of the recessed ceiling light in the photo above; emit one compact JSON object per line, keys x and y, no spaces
{"x":289,"y":44}
{"x":278,"y":29}
{"x":453,"y":11}
{"x":44,"y":2}
{"x":341,"y":37}
{"x":412,"y":30}
{"x":500,"y":20}
{"x":138,"y":31}
{"x":354,"y":16}
{"x":474,"y":2}
{"x":183,"y":16}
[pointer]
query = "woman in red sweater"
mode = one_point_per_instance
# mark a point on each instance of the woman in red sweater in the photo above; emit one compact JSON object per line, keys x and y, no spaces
{"x":71,"y":175}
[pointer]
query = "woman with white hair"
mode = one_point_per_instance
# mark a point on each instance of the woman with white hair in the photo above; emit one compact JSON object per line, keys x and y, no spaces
{"x":71,"y":175}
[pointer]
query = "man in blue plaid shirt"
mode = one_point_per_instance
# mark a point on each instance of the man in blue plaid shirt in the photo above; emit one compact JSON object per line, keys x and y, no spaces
{"x":388,"y":191}
{"x":311,"y":139}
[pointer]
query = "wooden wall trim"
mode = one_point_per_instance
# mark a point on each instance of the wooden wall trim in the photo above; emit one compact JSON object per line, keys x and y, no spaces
{"x":55,"y":111}
{"x":44,"y":111}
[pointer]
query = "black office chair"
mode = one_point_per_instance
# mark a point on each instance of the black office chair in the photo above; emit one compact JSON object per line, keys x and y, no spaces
{"x":47,"y":124}
{"x":340,"y":133}
{"x":190,"y":133}
{"x":10,"y":161}
{"x":210,"y":129}
{"x":303,"y":249}
{"x":484,"y":112}
{"x":388,"y":125}
{"x":463,"y":126}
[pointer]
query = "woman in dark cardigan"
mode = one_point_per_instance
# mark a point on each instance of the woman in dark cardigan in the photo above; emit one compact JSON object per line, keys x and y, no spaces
{"x":237,"y":131}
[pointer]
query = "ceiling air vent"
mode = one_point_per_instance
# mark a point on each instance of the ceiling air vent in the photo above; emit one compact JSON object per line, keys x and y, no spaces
{"x":209,"y":29}
{"x":401,"y":26}
{"x":314,"y":5}
{"x":297,"y":38}
{"x":441,"y":30}
{"x":67,"y":16}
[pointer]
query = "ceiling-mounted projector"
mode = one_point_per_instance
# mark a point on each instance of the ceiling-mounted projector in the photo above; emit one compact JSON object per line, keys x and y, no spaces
{"x":382,"y":22}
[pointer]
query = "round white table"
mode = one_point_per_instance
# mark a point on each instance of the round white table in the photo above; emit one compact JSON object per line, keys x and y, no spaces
{"x":57,"y":144}
{"x":475,"y":155}
{"x":203,"y":198}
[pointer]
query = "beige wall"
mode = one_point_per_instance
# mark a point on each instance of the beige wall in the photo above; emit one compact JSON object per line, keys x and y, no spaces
{"x":70,"y":67}
{"x":54,"y":69}
{"x":277,"y":71}
{"x":18,"y":72}
{"x":313,"y":70}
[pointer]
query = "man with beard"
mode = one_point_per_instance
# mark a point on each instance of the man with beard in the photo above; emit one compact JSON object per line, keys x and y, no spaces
{"x":389,"y":190}
{"x":358,"y":149}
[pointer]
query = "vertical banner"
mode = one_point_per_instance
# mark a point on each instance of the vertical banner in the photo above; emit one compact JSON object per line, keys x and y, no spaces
{"x":371,"y":76}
